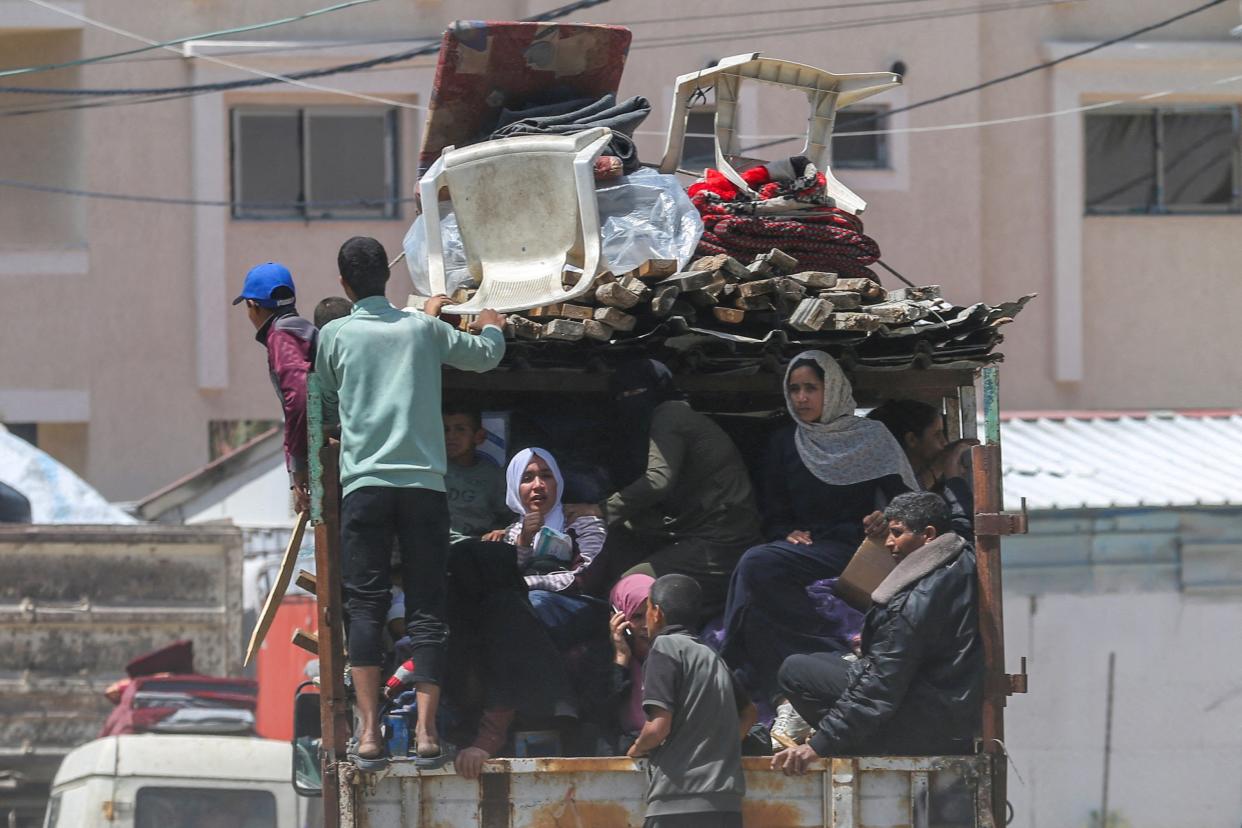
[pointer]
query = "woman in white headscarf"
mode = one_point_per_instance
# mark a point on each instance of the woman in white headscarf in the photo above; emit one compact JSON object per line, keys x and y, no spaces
{"x":554,"y":562}
{"x":825,"y":478}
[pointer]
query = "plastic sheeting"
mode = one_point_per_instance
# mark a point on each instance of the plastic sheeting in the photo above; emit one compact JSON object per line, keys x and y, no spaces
{"x":56,"y":494}
{"x":644,"y":216}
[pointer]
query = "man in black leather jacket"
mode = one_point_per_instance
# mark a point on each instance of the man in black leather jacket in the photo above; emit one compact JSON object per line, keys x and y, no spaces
{"x":917,"y":686}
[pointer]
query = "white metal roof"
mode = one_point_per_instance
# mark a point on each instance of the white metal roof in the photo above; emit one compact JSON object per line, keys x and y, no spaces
{"x":178,"y":756}
{"x":1125,"y":459}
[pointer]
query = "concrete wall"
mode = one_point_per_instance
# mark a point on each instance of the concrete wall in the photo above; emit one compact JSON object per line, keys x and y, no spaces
{"x":144,"y":336}
{"x":1162,"y":589}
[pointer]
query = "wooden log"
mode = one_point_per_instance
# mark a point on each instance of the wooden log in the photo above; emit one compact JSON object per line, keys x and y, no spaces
{"x":914,"y":294}
{"x":753,"y":303}
{"x":690,"y":280}
{"x":724,"y":263}
{"x":761,"y":268}
{"x":759,"y":288}
{"x":523,"y":328}
{"x":790,"y":288}
{"x":614,"y":295}
{"x":811,"y":314}
{"x":842,"y":300}
{"x":616,"y":319}
{"x":594,"y":329}
{"x":898,"y":313}
{"x":729,"y":316}
{"x":860,"y":322}
{"x":655,"y":269}
{"x":781,"y":261}
{"x":663,"y":298}
{"x":565,"y":330}
{"x":866,"y":288}
{"x":635,"y":286}
{"x":815,"y":279}
{"x":701,"y":299}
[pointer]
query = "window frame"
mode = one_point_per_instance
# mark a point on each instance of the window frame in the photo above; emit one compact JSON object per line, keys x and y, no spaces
{"x":1158,"y":207}
{"x":392,"y":167}
{"x":884,"y":156}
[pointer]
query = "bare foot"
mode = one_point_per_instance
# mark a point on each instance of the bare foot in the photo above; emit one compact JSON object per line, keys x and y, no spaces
{"x":370,"y":746}
{"x":428,"y":744}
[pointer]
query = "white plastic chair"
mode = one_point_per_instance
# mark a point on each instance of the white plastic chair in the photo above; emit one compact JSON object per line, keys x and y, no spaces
{"x":526,"y":208}
{"x":825,"y":92}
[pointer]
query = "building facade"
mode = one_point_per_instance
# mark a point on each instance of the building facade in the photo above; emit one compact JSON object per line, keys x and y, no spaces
{"x":122,"y":355}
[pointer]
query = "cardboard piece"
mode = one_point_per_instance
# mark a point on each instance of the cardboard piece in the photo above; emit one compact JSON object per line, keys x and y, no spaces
{"x":865,"y":571}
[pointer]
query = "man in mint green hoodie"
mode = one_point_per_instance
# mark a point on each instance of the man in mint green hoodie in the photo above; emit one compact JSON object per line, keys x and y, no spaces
{"x":379,"y":373}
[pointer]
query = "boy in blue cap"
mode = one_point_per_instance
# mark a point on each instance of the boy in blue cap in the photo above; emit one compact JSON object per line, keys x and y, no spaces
{"x":290,"y":342}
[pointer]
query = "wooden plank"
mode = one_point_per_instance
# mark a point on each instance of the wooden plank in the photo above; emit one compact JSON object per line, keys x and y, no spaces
{"x":866,"y":288}
{"x":283,"y":576}
{"x":663,"y":299}
{"x":656,"y":269}
{"x":914,"y":294}
{"x":616,"y":319}
{"x":898,"y":313}
{"x":333,"y":706}
{"x":564,"y":330}
{"x":842,"y":300}
{"x":812,"y":314}
{"x":596,"y":330}
{"x":306,"y":581}
{"x":781,"y":261}
{"x":863,"y":322}
{"x":759,"y":288}
{"x":616,"y":296}
{"x":724,"y":263}
{"x":815,"y":279}
{"x":306,"y":640}
{"x":691,"y":280}
{"x":730,"y":316}
{"x":523,"y":328}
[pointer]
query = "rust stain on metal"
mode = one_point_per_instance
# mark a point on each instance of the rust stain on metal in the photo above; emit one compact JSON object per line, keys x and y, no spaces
{"x":570,"y":813}
{"x":757,"y":813}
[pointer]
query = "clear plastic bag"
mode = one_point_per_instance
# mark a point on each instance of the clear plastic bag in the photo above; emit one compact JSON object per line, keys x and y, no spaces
{"x":643,"y":216}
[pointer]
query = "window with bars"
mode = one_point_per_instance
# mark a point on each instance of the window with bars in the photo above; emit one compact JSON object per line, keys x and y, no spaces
{"x":1162,"y":160}
{"x":314,"y":163}
{"x":860,"y":152}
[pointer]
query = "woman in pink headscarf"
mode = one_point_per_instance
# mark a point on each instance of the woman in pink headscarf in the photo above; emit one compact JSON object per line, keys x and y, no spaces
{"x":630,"y":644}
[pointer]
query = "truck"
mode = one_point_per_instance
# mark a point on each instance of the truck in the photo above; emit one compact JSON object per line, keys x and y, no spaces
{"x":608,"y":792}
{"x":76,"y":604}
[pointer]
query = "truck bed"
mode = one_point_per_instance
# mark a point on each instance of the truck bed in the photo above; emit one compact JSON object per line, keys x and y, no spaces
{"x":863,"y":792}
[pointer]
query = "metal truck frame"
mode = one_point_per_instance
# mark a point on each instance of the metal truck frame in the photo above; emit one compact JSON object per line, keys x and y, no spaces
{"x":842,"y":792}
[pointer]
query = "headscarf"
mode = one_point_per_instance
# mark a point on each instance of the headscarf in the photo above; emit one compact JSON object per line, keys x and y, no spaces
{"x":627,"y":596}
{"x":637,"y":387}
{"x":553,"y":518}
{"x":841,"y":448}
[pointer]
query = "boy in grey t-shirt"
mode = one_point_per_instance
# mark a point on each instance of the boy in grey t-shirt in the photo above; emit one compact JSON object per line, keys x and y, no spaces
{"x":475,"y":486}
{"x":697,"y":714}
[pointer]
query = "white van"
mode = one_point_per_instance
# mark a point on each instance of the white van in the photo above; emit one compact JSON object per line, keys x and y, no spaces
{"x":176,"y":781}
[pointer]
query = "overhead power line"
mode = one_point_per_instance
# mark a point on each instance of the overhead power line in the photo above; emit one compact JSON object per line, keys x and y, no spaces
{"x":164,"y":44}
{"x":858,"y":23}
{"x":1039,"y":67}
{"x":226,"y":86}
{"x":769,"y":12}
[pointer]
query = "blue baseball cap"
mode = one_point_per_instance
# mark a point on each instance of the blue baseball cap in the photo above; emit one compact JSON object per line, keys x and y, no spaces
{"x":263,"y":281}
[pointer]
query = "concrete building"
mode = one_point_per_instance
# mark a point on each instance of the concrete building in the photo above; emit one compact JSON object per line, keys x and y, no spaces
{"x":120,"y":349}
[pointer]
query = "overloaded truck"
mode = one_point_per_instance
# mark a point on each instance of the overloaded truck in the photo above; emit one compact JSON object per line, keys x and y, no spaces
{"x":777,"y":265}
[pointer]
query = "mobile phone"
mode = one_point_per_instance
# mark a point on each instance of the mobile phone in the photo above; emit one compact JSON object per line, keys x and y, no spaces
{"x":627,"y":632}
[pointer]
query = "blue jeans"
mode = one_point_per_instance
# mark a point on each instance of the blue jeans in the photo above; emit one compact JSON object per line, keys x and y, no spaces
{"x":570,"y":619}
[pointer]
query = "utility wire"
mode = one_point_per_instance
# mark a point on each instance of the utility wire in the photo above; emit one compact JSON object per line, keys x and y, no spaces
{"x":768,"y":12}
{"x":198,"y":202}
{"x":272,"y":76}
{"x":859,"y":23}
{"x":1039,"y":67}
{"x":47,"y":67}
{"x":226,"y":86}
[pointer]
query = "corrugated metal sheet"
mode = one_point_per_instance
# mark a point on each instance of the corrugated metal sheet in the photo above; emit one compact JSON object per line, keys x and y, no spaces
{"x":1075,"y":461}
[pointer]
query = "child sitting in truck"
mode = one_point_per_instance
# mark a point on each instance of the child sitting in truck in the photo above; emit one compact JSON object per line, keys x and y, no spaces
{"x":476,"y":485}
{"x":697,"y":714}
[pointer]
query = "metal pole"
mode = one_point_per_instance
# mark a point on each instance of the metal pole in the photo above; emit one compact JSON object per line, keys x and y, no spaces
{"x":325,"y":509}
{"x":1108,"y":740}
{"x":989,"y":499}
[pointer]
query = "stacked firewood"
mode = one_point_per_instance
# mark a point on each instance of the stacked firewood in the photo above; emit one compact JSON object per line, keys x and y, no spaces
{"x":721,"y":293}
